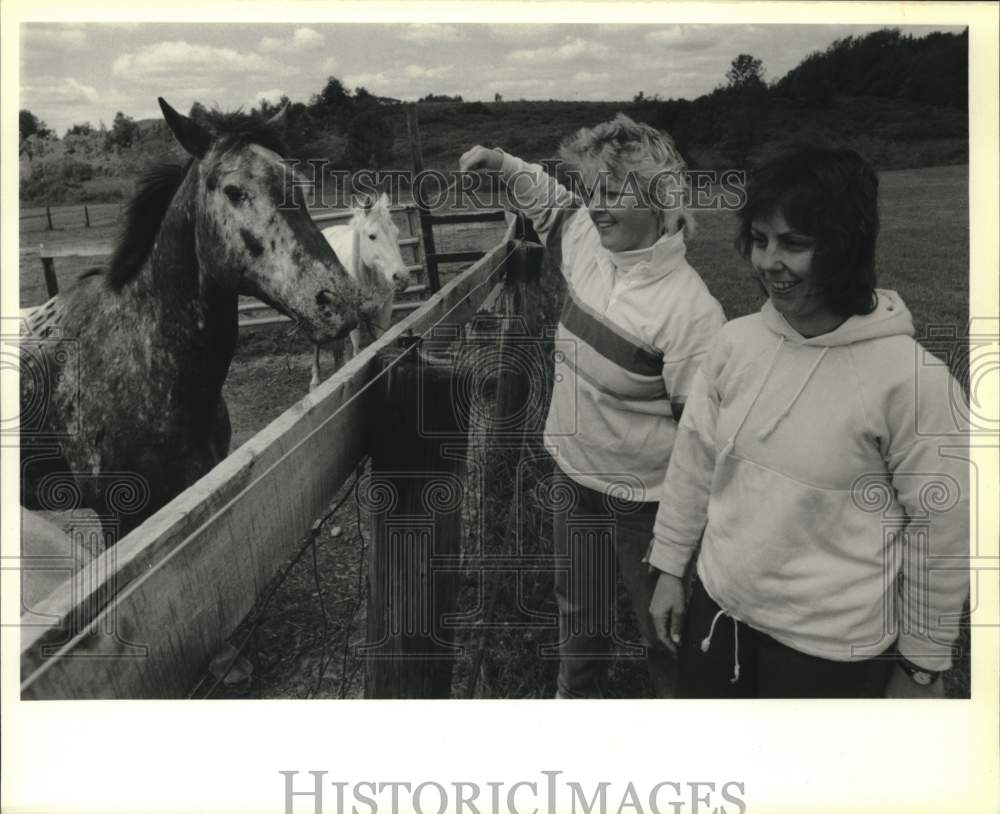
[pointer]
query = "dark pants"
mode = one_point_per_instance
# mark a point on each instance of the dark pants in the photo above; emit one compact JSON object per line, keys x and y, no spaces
{"x":767,"y":668}
{"x":593,"y":535}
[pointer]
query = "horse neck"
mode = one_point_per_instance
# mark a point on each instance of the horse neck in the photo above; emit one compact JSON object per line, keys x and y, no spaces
{"x":197,"y":318}
{"x":364,"y":274}
{"x":356,"y":264}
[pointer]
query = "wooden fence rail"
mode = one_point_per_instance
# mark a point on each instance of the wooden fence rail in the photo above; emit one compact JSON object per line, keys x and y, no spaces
{"x":183,"y":580}
{"x":250,"y":320}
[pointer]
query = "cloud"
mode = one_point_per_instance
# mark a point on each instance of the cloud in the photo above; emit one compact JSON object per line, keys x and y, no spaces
{"x":431,"y":33}
{"x":62,"y":102}
{"x":271,"y":44}
{"x":167,"y":61}
{"x":586,"y":76}
{"x":518,"y":84}
{"x":521,"y":32}
{"x":420,"y":72}
{"x":329,"y":65}
{"x":302,"y":39}
{"x":368,"y":80}
{"x":53,"y":36}
{"x":683,"y":37}
{"x":208,"y":96}
{"x":272,"y":95}
{"x":569,"y":50}
{"x":66,"y":91}
{"x":307,"y":38}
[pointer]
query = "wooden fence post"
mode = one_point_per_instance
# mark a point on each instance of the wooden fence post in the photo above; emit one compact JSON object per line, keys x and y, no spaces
{"x":86,"y":216}
{"x":48,"y":217}
{"x":426,"y":229}
{"x":505,"y":369}
{"x":49,"y":270}
{"x":413,"y":222}
{"x":415,"y":497}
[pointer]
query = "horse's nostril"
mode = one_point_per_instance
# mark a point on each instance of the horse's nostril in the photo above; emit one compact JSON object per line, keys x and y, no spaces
{"x":325,"y":297}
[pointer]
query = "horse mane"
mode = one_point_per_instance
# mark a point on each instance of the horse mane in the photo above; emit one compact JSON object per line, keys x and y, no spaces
{"x":159,"y":183}
{"x":361,"y":213}
{"x":237,"y":129}
{"x":143,"y":218}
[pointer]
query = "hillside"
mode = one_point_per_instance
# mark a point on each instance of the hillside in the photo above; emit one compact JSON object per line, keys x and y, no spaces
{"x":893,"y":134}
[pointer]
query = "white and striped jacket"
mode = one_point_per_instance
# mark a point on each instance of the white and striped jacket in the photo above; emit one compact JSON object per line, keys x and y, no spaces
{"x":631,"y":337}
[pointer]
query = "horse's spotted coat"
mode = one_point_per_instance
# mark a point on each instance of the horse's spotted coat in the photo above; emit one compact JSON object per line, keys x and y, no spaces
{"x":122,"y":373}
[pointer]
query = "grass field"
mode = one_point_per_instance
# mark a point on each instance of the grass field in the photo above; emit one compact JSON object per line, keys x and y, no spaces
{"x":923,"y":254}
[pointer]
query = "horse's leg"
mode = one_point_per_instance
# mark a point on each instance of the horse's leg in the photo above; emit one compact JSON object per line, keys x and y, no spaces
{"x":222,"y":431}
{"x":384,"y":320}
{"x":314,"y":379}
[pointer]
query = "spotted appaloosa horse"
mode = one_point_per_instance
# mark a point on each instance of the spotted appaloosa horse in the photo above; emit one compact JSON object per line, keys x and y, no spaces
{"x":121,"y":402}
{"x":368,"y":246}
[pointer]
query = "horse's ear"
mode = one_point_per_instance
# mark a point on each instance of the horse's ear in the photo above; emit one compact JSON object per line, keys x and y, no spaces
{"x":280,"y":119}
{"x":383,"y":199}
{"x":194,"y":138}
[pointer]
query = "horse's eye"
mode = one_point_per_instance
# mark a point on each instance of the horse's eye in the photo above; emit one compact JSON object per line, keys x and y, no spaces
{"x":371,"y":237}
{"x":235,"y":194}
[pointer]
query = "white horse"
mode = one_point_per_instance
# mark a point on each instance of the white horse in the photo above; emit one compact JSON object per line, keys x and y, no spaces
{"x":368,"y":247}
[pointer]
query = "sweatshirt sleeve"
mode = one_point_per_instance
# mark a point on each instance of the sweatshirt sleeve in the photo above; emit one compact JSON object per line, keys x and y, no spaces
{"x":546,"y":203}
{"x":927,"y":458}
{"x":684,"y":352}
{"x":683,"y":510}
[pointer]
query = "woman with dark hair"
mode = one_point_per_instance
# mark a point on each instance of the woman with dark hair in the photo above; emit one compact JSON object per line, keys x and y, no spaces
{"x":811,"y":462}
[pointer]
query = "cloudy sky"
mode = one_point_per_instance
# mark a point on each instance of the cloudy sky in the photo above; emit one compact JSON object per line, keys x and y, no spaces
{"x":72,"y":73}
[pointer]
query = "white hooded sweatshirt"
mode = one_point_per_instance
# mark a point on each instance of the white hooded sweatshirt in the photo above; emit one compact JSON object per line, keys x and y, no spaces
{"x":818,"y":469}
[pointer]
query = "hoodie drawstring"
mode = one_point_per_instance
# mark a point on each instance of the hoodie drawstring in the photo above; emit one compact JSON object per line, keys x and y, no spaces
{"x":707,"y":643}
{"x":763,"y":381}
{"x":772,"y":425}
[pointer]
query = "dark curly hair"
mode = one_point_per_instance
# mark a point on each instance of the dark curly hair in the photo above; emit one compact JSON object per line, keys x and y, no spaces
{"x":831,"y":195}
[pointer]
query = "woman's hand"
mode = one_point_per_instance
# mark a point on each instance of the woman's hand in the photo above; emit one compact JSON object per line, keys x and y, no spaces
{"x":480,"y":159}
{"x":902,"y":686}
{"x":666,"y":609}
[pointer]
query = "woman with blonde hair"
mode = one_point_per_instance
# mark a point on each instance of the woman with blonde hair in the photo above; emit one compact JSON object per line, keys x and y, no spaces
{"x":635,"y":325}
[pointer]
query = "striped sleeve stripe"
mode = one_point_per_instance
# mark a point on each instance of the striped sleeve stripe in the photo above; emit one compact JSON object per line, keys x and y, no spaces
{"x":656,"y":391}
{"x":610,"y":341}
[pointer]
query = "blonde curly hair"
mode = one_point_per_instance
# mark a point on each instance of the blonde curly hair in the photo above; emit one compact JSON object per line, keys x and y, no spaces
{"x":623,"y":147}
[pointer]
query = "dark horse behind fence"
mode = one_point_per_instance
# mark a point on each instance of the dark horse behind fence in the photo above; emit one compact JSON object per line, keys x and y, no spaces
{"x":122,"y":374}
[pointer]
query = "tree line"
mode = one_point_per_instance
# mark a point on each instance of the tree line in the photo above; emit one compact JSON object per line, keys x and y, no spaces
{"x":857,"y":85}
{"x":847,"y":79}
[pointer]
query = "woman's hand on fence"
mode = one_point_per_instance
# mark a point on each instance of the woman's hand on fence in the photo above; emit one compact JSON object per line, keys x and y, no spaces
{"x":666,"y":610}
{"x":480,"y":159}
